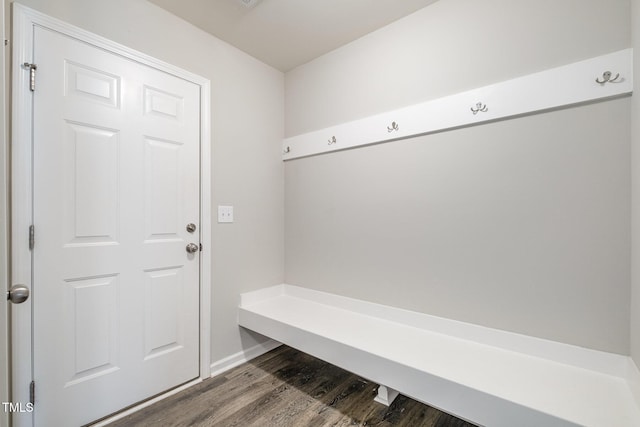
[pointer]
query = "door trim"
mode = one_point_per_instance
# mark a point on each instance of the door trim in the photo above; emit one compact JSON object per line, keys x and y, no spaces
{"x":4,"y":232}
{"x":24,"y":20}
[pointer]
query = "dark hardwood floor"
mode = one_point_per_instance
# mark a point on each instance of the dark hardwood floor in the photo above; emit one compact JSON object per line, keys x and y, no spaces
{"x":286,"y":388}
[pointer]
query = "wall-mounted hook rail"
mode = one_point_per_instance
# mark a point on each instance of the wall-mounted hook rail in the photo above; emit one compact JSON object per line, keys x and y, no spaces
{"x":286,"y":150}
{"x":332,"y":140}
{"x":606,"y":78}
{"x":540,"y":91}
{"x":480,"y":107}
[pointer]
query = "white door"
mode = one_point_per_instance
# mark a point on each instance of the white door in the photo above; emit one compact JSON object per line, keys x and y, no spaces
{"x":115,"y":183}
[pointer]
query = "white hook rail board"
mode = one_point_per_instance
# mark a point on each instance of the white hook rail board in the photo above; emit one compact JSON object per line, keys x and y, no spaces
{"x":593,"y":79}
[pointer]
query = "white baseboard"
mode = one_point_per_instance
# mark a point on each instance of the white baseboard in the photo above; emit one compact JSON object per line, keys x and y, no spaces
{"x":243,"y":356}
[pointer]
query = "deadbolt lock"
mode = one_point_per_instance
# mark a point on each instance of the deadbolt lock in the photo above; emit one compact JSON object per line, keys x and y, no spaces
{"x":191,"y":227}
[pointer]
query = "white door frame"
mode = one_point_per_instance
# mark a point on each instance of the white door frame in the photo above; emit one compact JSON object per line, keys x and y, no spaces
{"x":4,"y":234}
{"x":24,"y":20}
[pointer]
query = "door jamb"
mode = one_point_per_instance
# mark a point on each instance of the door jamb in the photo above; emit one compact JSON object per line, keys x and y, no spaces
{"x":24,"y":20}
{"x":4,"y":229}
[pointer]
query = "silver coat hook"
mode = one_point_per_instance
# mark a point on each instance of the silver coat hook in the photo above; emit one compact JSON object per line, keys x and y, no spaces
{"x":286,"y":150}
{"x":480,"y":107}
{"x":332,"y":140}
{"x":606,"y":77}
{"x":394,"y":126}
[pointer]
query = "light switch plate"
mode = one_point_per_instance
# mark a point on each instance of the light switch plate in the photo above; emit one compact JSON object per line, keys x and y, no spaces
{"x":225,"y":213}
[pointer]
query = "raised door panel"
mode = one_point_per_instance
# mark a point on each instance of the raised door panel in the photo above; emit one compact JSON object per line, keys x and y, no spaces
{"x":162,"y":104}
{"x":91,"y":311}
{"x":163,"y":305}
{"x":93,"y":85}
{"x":163,"y":189}
{"x":91,"y":188}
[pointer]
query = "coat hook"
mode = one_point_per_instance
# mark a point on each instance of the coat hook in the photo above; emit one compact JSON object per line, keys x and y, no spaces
{"x":479,"y":107}
{"x":394,"y":126}
{"x":333,"y":140}
{"x":606,"y":77}
{"x":286,"y":150}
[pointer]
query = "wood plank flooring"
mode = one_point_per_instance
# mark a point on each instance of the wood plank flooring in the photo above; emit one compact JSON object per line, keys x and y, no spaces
{"x":286,"y":388}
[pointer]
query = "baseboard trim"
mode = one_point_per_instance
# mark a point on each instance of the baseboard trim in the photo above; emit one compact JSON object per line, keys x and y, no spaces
{"x":242,"y":356}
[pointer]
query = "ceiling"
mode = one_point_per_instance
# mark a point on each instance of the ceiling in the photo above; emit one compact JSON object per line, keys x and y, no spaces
{"x":288,"y":33}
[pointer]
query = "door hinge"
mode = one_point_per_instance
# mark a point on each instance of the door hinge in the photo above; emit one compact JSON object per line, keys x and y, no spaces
{"x":32,"y":75}
{"x":32,"y":237}
{"x":32,"y":392}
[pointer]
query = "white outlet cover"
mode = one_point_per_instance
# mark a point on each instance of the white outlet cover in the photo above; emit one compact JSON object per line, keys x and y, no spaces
{"x":225,"y":214}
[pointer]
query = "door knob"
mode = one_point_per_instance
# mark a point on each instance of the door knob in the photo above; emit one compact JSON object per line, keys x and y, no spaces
{"x":18,"y":294}
{"x":192,"y":248}
{"x":191,"y":227}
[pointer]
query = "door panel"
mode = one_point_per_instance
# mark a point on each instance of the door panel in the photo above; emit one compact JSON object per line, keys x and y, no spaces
{"x":92,"y":84}
{"x":163,"y":183}
{"x":115,"y":182}
{"x":90,"y":328}
{"x":90,"y":189}
{"x":163,"y":329}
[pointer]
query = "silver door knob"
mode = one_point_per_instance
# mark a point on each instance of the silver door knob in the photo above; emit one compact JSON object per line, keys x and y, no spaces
{"x":18,"y":294}
{"x":191,"y":227}
{"x":192,"y":248}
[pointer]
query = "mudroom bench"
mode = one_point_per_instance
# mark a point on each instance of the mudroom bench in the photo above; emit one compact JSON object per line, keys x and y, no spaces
{"x":486,"y":376}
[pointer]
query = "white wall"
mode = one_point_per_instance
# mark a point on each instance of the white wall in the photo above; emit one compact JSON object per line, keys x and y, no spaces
{"x":521,"y":225}
{"x":635,"y":159}
{"x":247,"y":128}
{"x":448,"y":47}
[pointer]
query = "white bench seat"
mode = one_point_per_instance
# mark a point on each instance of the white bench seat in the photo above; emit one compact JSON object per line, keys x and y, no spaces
{"x":486,"y":376}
